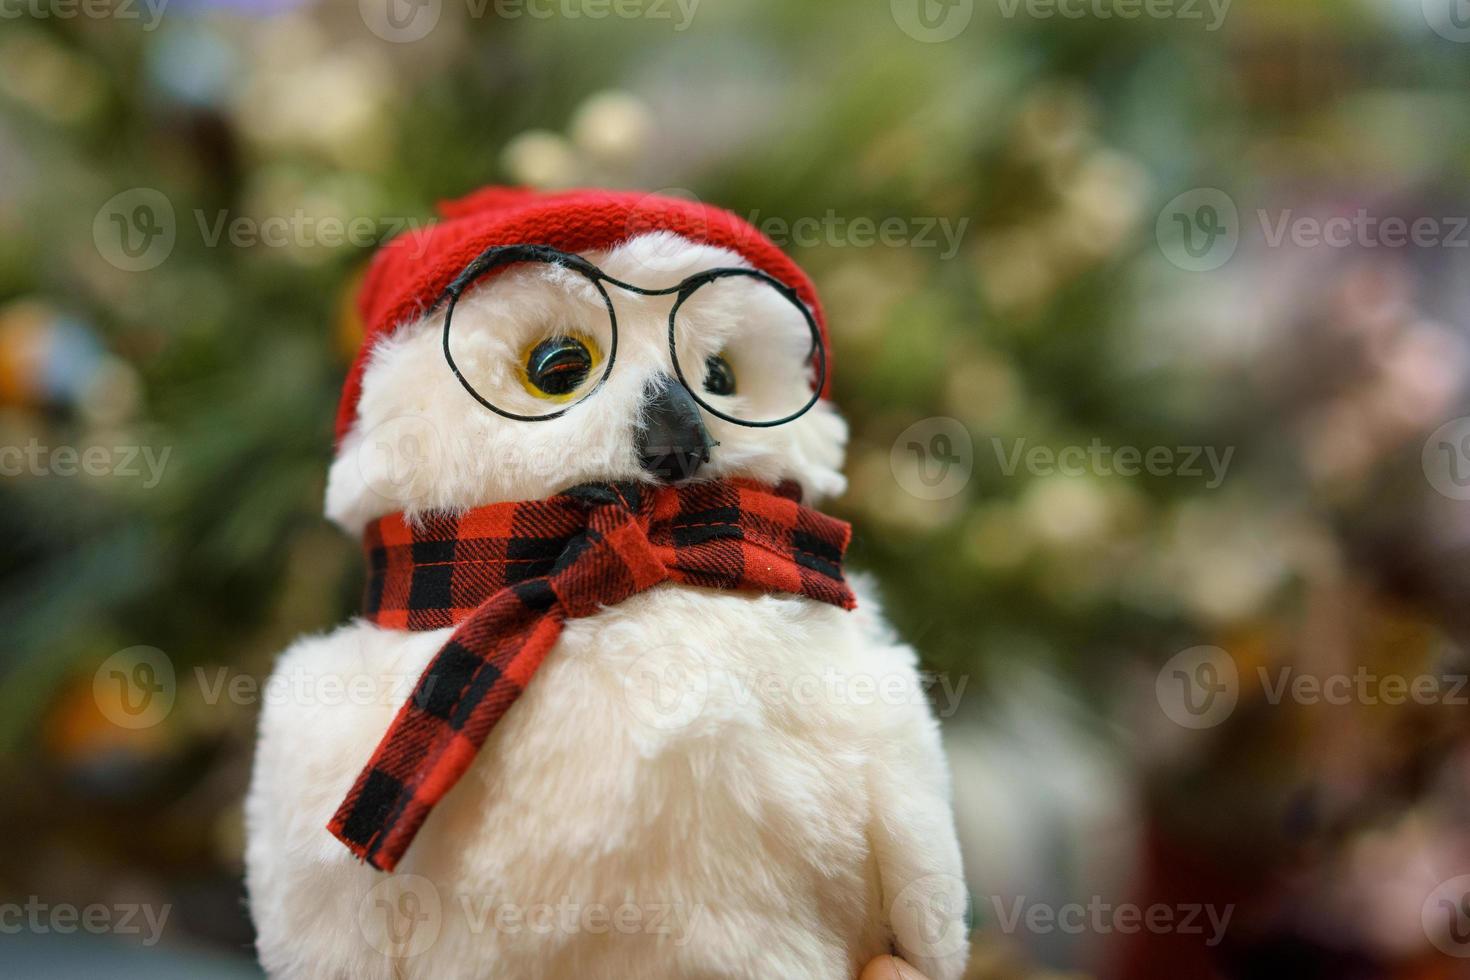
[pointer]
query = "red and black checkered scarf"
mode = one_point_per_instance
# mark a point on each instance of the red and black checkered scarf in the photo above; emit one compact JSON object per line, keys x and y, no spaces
{"x":508,"y":576}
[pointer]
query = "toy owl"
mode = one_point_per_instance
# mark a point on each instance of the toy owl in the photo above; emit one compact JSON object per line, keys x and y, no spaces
{"x":612,"y":709}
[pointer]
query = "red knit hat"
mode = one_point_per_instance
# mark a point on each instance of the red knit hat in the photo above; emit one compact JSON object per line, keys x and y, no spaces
{"x":410,"y":272}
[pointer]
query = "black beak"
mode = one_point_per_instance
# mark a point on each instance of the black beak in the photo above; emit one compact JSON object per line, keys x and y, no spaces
{"x":672,"y":442}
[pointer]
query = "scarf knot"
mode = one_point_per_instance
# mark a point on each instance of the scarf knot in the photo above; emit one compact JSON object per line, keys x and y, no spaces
{"x":508,"y":576}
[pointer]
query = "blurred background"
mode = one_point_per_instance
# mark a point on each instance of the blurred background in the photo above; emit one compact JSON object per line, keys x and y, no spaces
{"x":1150,"y":320}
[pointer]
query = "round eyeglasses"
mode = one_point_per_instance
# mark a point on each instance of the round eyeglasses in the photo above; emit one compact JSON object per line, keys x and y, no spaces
{"x":742,"y":343}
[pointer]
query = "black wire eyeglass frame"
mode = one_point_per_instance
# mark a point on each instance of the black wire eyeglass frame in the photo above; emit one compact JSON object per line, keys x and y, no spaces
{"x":498,"y":256}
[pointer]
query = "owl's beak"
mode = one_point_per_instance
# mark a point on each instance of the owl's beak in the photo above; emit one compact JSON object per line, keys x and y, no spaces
{"x":672,"y":441}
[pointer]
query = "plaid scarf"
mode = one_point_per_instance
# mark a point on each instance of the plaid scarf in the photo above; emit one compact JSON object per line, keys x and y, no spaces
{"x":510,"y":575}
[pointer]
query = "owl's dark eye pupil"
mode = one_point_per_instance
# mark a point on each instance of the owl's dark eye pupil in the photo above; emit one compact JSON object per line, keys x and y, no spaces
{"x":719,"y":376}
{"x":559,"y":365}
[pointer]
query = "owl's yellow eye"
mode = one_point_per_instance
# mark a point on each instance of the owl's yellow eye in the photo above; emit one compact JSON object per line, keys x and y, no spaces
{"x":556,"y":367}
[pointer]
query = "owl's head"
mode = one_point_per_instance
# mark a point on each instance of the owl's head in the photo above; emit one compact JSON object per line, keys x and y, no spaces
{"x":533,"y":342}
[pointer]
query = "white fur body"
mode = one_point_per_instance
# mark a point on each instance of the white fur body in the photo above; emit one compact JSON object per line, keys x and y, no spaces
{"x":664,"y":761}
{"x":695,"y":784}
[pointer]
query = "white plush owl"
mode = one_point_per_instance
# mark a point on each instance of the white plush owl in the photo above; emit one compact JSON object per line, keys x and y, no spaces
{"x":611,"y":710}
